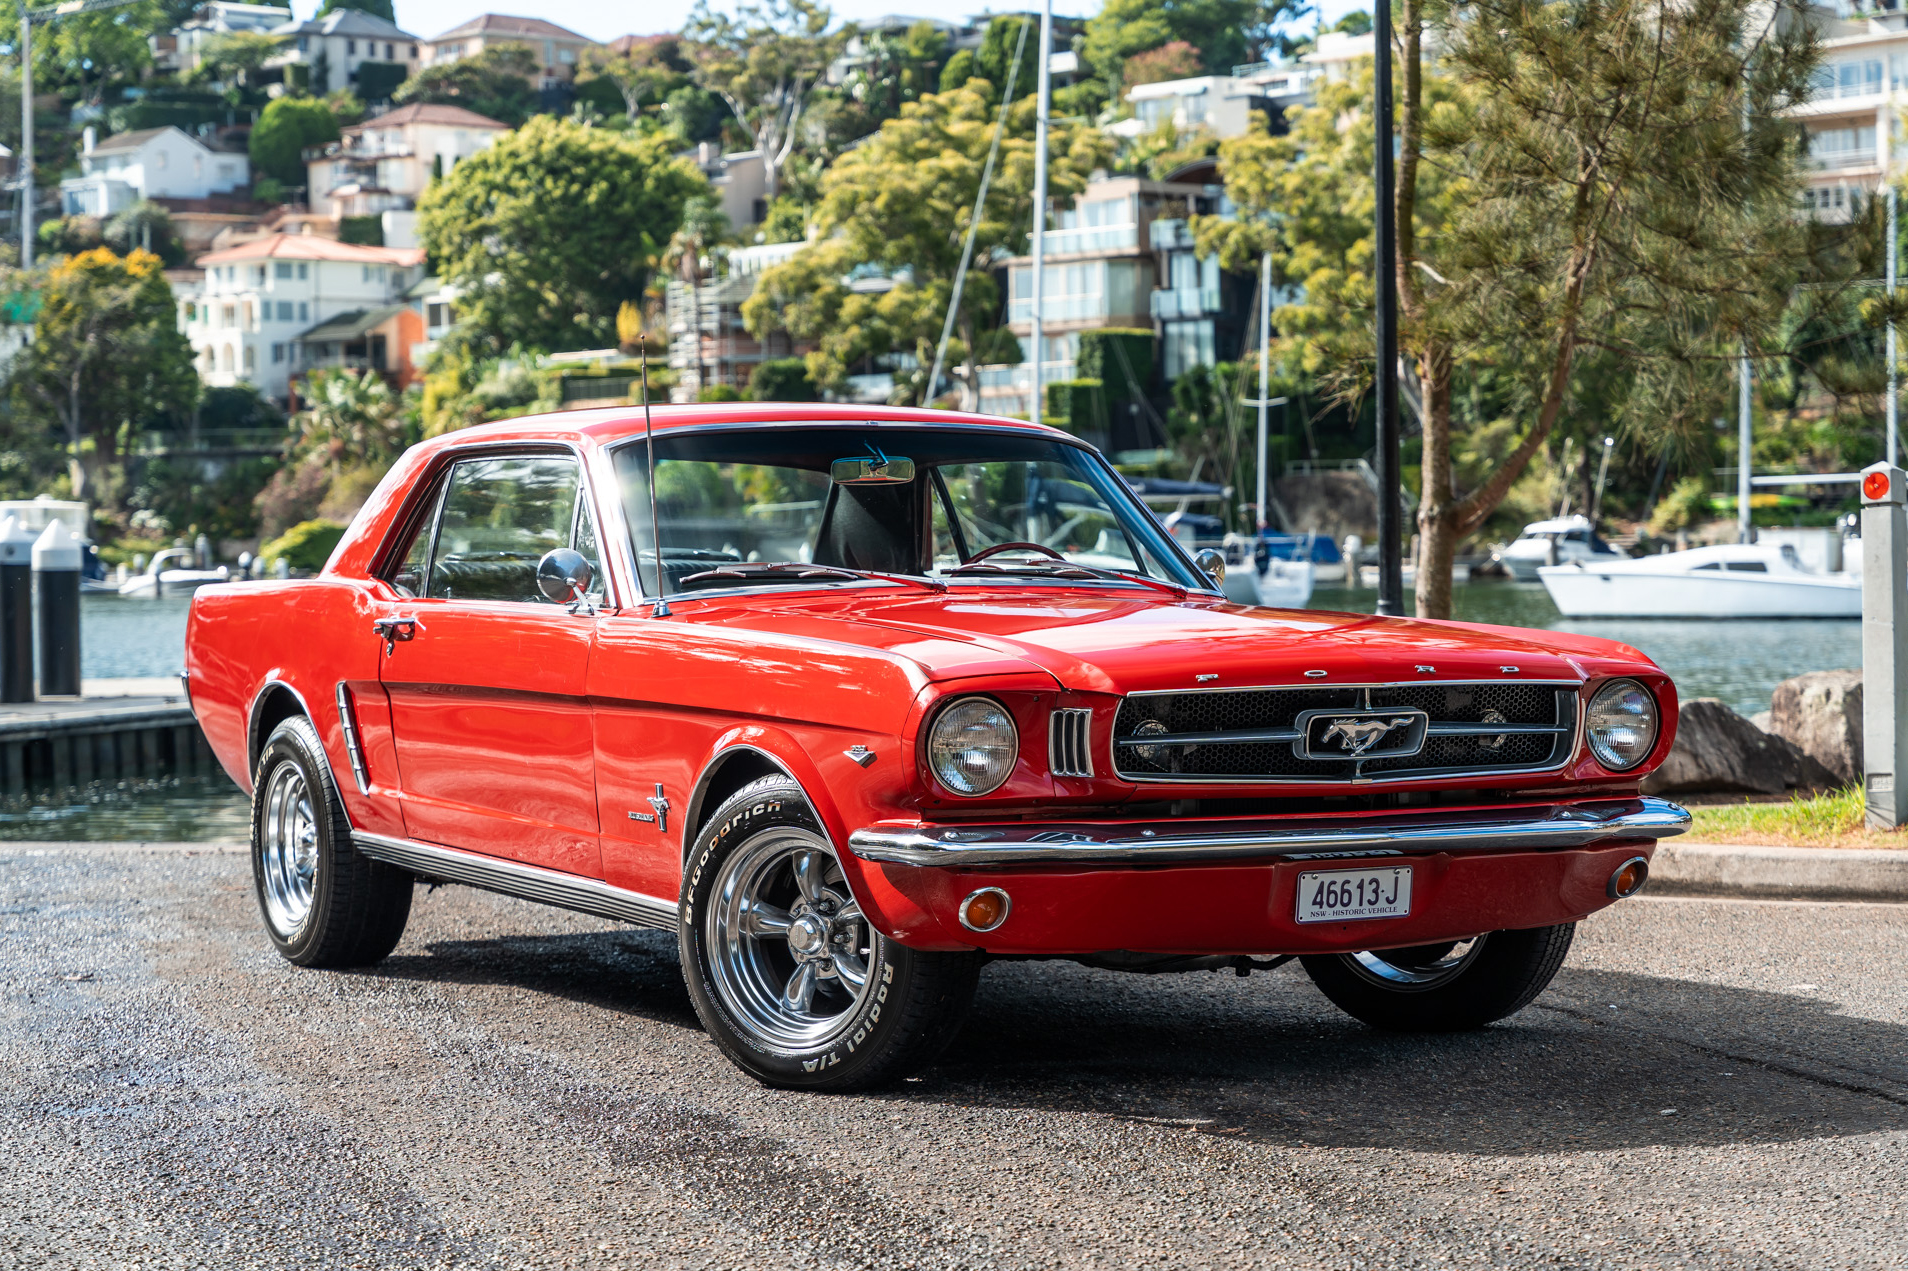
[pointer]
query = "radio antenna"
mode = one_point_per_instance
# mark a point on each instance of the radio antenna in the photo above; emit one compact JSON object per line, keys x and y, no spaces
{"x":655,"y":522}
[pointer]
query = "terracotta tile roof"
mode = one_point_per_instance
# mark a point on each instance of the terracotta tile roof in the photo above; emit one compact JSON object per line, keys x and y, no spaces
{"x":313,"y":247}
{"x":504,"y":24}
{"x":420,"y":113}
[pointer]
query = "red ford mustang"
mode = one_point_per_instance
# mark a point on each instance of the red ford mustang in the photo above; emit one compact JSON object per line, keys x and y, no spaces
{"x":900,"y":692}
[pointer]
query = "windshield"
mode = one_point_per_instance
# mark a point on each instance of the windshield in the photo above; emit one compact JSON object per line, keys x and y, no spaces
{"x":760,"y":506}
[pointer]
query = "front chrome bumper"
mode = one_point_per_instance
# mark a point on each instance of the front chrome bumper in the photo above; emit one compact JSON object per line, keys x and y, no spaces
{"x":1128,"y":843}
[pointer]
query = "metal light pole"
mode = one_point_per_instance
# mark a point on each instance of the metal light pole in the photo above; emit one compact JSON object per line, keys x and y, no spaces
{"x":1265,"y":318}
{"x":1042,"y":104}
{"x":1893,"y":432}
{"x":1745,"y":532}
{"x":1390,"y":556}
{"x":26,"y":137}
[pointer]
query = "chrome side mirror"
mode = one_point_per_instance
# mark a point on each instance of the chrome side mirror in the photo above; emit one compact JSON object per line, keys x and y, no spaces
{"x":1211,"y":564}
{"x":564,"y":576}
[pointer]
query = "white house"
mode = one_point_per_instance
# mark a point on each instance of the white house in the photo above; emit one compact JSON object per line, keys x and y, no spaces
{"x":259,"y":299}
{"x":384,"y":163}
{"x":153,"y":163}
{"x":182,"y":49}
{"x":347,"y":49}
{"x":558,"y":50}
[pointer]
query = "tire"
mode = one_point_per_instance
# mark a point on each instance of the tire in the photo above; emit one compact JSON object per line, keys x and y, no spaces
{"x":1444,"y":987}
{"x":324,"y":904}
{"x":773,"y":944}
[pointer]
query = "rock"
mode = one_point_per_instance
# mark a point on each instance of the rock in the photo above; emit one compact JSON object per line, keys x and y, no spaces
{"x":1821,"y":713}
{"x":1765,"y":720}
{"x":1717,"y":749}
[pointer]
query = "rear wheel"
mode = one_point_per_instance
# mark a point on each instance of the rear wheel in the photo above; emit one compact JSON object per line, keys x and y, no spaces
{"x":790,"y":978}
{"x":324,"y":904}
{"x":1444,"y":987}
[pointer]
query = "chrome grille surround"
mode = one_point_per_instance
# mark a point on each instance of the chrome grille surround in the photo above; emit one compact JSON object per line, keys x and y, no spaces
{"x":1069,"y":748}
{"x":1253,"y":736}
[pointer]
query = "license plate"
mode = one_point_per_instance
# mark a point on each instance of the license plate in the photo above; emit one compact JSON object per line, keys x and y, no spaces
{"x":1346,"y":895}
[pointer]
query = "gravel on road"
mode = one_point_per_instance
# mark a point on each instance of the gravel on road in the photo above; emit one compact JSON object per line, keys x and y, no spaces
{"x":1708,"y":1083}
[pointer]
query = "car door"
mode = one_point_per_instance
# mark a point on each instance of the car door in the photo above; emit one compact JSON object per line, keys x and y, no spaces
{"x":485,"y":678}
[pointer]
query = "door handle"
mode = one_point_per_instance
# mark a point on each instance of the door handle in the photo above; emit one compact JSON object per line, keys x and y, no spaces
{"x":391,"y":630}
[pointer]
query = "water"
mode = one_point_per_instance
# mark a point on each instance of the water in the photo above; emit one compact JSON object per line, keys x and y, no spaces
{"x":123,"y":636}
{"x":1739,"y":662}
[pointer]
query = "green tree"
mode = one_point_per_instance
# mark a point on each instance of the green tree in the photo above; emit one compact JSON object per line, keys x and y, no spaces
{"x":107,"y":355}
{"x":284,"y":129}
{"x":236,"y":57}
{"x":548,"y":231}
{"x":1614,"y":180}
{"x":83,"y":55}
{"x":899,"y":205}
{"x":497,"y":84}
{"x":1225,"y":32}
{"x":763,"y":62}
{"x":643,"y":71}
{"x":376,"y":8}
{"x":989,"y":61}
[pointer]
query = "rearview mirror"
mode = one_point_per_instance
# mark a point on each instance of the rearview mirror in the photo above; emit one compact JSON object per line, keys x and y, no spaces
{"x":563,"y":575}
{"x":874,"y":469}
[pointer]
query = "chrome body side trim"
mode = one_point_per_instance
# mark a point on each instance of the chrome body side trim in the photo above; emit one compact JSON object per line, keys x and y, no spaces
{"x":253,"y":741}
{"x":354,"y":751}
{"x":1023,"y":843}
{"x":526,"y":882}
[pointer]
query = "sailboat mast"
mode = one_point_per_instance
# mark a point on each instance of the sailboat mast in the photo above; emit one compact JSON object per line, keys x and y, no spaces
{"x":1042,"y":105}
{"x":1265,"y":319}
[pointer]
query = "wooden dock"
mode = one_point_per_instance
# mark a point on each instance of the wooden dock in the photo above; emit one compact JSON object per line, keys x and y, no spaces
{"x":114,"y":729}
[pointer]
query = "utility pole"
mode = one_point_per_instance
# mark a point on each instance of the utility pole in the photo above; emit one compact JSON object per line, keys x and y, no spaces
{"x":1265,"y":318}
{"x":1042,"y":105}
{"x":1894,"y":441}
{"x":1390,"y":555}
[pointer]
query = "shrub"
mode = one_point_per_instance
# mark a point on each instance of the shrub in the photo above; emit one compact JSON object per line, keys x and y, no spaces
{"x":305,"y":546}
{"x":718,"y":393}
{"x":782,"y":379}
{"x":1079,"y":406}
{"x":365,"y":231}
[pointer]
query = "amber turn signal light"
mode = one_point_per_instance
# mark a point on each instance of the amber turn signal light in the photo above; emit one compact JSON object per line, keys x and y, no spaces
{"x":1629,"y":878}
{"x":986,"y":909}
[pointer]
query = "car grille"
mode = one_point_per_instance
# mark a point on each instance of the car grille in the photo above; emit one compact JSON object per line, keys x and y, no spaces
{"x":1280,"y":734}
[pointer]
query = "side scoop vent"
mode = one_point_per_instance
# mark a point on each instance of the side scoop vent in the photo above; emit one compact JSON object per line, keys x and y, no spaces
{"x":1068,"y":735}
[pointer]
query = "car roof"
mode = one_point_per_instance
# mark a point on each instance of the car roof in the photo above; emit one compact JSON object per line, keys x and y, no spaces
{"x":607,"y":425}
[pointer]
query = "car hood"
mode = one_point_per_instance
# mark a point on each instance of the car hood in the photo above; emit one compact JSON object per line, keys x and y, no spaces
{"x":1120,"y":642}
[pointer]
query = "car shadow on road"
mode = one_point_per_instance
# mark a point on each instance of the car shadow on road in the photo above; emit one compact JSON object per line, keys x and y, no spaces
{"x":1603,"y":1060}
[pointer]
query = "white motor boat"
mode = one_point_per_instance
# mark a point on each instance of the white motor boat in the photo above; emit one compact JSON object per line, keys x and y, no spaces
{"x":159,"y":580}
{"x":1282,"y":584}
{"x":1738,"y":581}
{"x":1561,"y":541}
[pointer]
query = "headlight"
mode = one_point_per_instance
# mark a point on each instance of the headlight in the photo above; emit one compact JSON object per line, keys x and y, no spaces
{"x":972,"y":746}
{"x":1622,"y":724}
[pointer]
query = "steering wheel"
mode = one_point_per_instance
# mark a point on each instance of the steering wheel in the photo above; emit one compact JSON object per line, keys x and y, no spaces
{"x":998,"y":548}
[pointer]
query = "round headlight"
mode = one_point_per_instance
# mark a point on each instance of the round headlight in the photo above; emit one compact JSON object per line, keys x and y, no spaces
{"x":1622,"y":724}
{"x":972,"y":746}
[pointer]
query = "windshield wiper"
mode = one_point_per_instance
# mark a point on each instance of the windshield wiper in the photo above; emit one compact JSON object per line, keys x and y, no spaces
{"x":796,"y":571}
{"x":1031,"y":568}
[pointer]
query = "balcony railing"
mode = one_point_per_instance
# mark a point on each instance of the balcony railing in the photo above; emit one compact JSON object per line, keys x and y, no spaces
{"x":1166,"y":235}
{"x":1835,"y":160}
{"x":1196,"y":303}
{"x":1091,"y":238}
{"x":1059,"y":308}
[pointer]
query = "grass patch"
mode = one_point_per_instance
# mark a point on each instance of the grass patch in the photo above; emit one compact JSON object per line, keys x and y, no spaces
{"x":1822,"y":820}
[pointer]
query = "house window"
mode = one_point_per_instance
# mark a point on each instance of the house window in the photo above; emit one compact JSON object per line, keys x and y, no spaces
{"x":159,"y":159}
{"x":278,"y":354}
{"x":1188,"y":345}
{"x":303,"y":45}
{"x":258,"y":274}
{"x":304,"y":271}
{"x":549,"y":52}
{"x":414,"y":52}
{"x":566,"y":56}
{"x":304,"y":312}
{"x":229,"y":318}
{"x":351,"y":48}
{"x":251,"y":360}
{"x":285,"y":311}
{"x":388,"y":55}
{"x":436,"y":314}
{"x":282,"y":269}
{"x":366,"y":271}
{"x":225,"y":358}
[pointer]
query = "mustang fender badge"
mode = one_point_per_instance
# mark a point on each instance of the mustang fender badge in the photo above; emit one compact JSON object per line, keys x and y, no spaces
{"x":1210,"y":675}
{"x":860,"y":754}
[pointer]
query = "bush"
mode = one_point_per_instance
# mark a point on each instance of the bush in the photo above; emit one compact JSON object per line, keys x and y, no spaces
{"x":365,"y":231}
{"x":1079,"y":405}
{"x":782,"y":379}
{"x":1686,"y":504}
{"x":305,"y":546}
{"x":284,"y":129}
{"x":718,"y":393}
{"x":376,"y":81}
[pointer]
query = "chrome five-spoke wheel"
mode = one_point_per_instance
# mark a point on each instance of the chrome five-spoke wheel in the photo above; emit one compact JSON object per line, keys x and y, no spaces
{"x":789,"y":948}
{"x":1419,"y":968}
{"x":288,"y":832}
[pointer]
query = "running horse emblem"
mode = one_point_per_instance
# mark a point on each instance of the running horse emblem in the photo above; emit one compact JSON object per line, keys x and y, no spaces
{"x":1359,"y":735}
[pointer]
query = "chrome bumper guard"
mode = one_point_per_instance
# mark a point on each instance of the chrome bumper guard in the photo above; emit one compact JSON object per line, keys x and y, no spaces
{"x":1045,"y":843}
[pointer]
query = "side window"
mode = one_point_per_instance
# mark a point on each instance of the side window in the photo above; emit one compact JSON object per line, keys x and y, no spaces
{"x":500,"y":516}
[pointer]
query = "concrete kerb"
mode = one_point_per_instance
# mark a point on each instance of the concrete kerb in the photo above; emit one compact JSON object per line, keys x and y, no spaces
{"x":1779,"y":873}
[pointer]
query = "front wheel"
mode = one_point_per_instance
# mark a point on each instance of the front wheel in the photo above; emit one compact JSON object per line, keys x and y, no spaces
{"x":1445,"y":987}
{"x":788,"y":976}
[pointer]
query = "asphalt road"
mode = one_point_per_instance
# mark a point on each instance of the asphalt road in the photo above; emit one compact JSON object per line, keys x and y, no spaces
{"x":1707,"y":1084}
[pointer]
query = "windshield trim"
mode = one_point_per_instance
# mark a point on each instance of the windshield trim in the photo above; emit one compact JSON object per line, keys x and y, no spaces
{"x":1203,"y":586}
